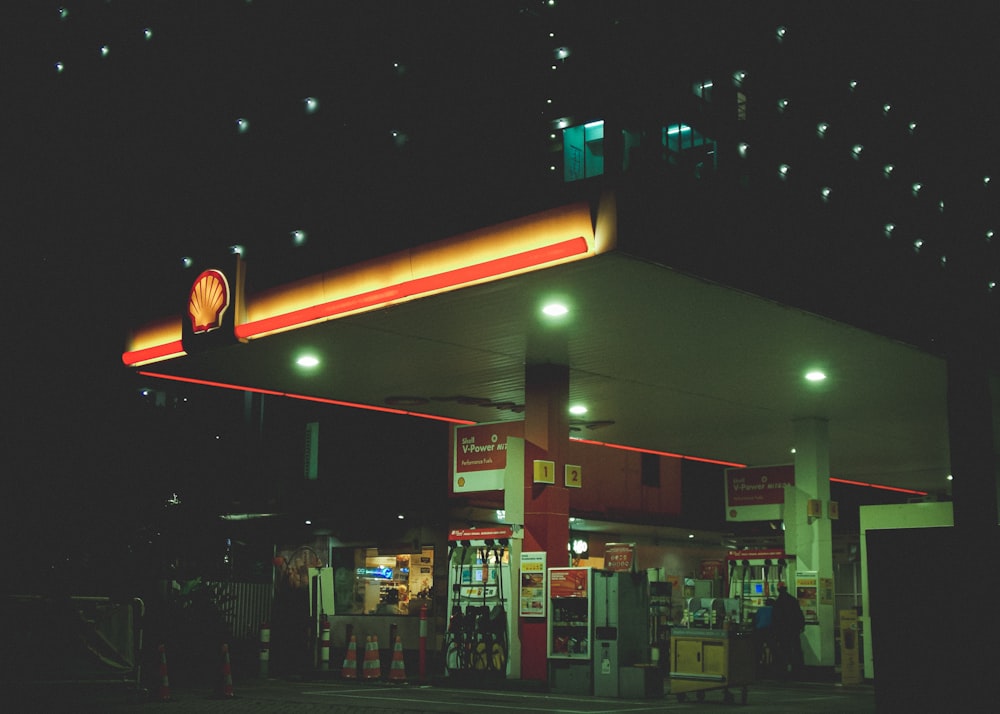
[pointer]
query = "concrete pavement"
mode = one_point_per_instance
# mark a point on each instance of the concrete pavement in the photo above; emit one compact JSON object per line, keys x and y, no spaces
{"x":330,"y":695}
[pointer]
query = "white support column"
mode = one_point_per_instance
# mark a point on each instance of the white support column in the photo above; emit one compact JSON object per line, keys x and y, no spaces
{"x":810,"y":539}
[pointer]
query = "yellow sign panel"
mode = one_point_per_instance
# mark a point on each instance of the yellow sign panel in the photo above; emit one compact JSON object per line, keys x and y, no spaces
{"x":544,"y":471}
{"x":814,"y":508}
{"x":833,"y":510}
{"x":574,"y":476}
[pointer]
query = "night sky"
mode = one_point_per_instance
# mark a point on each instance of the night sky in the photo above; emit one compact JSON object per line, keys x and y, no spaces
{"x":428,"y":119}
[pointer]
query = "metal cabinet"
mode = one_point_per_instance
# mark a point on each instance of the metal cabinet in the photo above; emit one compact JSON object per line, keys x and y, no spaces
{"x":701,"y":660}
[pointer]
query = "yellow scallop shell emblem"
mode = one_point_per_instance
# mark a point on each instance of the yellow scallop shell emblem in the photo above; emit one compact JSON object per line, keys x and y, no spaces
{"x":208,"y":301}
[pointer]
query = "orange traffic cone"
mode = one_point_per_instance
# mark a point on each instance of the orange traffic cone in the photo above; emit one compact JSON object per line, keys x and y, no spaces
{"x":227,"y":674}
{"x":164,"y":679}
{"x":350,"y":668}
{"x":397,"y":671}
{"x":373,"y":661}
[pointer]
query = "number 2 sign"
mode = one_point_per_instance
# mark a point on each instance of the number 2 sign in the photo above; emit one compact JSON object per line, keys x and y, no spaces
{"x":574,"y":476}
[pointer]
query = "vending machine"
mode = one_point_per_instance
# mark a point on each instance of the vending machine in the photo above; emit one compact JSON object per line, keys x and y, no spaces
{"x":597,"y":624}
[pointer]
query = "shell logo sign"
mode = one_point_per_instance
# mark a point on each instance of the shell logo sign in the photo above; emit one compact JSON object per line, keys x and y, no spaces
{"x":207,"y":301}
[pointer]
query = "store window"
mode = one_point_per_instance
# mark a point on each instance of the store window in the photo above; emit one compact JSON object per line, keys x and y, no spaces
{"x":368,"y":581}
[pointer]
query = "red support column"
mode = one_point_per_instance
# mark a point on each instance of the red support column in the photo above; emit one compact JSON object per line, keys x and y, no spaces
{"x":546,"y":507}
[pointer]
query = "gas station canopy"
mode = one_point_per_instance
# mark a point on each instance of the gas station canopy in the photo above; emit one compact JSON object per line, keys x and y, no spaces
{"x":660,"y":360}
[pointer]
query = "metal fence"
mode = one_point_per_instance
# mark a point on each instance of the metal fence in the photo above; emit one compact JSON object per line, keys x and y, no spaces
{"x":247,"y":606}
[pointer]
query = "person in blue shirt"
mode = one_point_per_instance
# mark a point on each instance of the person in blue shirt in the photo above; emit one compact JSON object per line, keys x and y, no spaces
{"x":763,"y":635}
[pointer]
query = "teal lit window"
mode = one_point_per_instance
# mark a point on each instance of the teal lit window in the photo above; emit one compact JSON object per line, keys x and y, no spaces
{"x":583,"y":151}
{"x":686,"y":146}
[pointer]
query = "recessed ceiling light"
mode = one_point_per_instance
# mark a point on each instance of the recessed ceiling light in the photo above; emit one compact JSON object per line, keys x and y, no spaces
{"x":307,"y":361}
{"x":578,"y":409}
{"x":815,"y":375}
{"x":555,"y":309}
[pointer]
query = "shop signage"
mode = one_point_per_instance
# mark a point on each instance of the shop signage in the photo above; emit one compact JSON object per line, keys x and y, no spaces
{"x":491,"y":533}
{"x":759,"y":554}
{"x":757,"y":493}
{"x":480,"y":457}
{"x":207,"y":301}
{"x":533,"y":584}
{"x":619,"y":557}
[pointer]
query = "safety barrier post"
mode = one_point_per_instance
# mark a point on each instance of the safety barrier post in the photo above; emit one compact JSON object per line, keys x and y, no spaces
{"x":423,"y":642}
{"x":265,"y":649}
{"x":324,"y":645}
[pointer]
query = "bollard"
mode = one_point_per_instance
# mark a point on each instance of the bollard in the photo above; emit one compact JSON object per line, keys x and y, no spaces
{"x":324,"y":645}
{"x":265,"y":649}
{"x":423,"y":642}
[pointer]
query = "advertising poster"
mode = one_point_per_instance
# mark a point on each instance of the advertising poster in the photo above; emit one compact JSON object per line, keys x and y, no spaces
{"x":758,"y":493}
{"x":481,"y":455}
{"x":568,"y":582}
{"x":807,"y":591}
{"x":533,"y":584}
{"x":850,"y":662}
